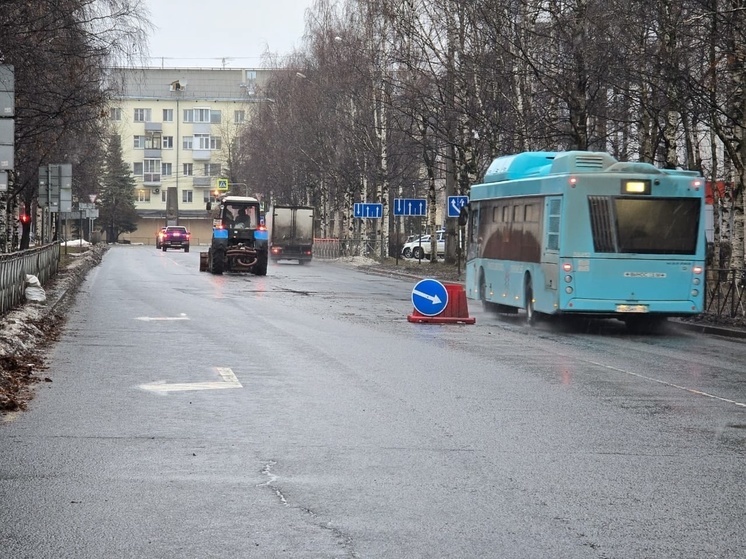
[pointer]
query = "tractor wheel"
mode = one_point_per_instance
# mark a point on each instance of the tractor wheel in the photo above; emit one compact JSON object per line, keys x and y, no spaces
{"x":260,"y":268}
{"x":217,"y":263}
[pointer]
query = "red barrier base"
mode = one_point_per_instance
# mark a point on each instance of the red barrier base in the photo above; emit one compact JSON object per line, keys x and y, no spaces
{"x":456,"y":311}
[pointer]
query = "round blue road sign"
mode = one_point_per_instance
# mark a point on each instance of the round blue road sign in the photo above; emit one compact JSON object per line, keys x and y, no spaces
{"x":429,"y":297}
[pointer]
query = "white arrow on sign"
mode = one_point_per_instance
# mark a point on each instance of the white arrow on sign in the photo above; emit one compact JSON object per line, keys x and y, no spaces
{"x":229,"y":380}
{"x":434,"y":299}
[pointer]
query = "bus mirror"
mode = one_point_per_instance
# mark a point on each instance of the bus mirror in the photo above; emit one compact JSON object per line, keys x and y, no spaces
{"x":463,"y":216}
{"x":208,"y":206}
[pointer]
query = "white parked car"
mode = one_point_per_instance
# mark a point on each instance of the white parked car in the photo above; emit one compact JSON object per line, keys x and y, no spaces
{"x":419,"y":247}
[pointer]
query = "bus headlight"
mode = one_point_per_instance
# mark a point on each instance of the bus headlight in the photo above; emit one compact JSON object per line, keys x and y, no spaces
{"x":695,"y":281}
{"x":695,"y":292}
{"x":568,"y":279}
{"x":568,"y":290}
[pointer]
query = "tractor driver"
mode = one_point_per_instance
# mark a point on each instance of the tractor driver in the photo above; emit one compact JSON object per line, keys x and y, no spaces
{"x":242,"y":219}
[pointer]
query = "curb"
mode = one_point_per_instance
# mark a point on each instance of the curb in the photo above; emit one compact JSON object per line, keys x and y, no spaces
{"x":710,"y":329}
{"x":69,"y":279}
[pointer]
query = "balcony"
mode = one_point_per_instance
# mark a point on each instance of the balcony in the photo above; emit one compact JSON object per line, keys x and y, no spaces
{"x":201,"y":154}
{"x":203,"y":181}
{"x":151,"y":153}
{"x":201,"y":128}
{"x":151,"y":179}
{"x":153,"y":127}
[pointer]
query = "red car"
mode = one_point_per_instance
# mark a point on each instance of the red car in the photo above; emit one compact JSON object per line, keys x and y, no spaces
{"x":175,"y":236}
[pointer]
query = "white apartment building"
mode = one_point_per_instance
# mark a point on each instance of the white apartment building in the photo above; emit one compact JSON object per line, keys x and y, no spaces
{"x":177,"y":126}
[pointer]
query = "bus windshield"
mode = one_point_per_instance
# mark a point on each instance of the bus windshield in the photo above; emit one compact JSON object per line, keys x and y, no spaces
{"x":645,"y":225}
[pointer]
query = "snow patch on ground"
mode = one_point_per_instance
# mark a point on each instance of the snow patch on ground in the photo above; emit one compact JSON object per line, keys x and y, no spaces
{"x":358,"y":261}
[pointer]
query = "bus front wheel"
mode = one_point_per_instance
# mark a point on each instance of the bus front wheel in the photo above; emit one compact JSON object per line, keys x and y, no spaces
{"x":530,"y":313}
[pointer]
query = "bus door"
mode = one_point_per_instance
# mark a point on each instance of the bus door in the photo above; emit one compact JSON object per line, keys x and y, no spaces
{"x":473,"y":244}
{"x":551,"y":241}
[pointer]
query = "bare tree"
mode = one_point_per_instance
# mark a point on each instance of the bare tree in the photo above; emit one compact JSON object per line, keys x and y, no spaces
{"x":60,"y":50}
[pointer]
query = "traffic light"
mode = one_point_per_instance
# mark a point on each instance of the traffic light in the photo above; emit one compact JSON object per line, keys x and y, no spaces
{"x":24,"y":218}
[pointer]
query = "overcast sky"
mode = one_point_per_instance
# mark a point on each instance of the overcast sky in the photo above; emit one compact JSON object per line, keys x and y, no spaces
{"x":203,"y":32}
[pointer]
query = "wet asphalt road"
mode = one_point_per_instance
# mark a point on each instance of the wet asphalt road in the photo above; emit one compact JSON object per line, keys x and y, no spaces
{"x":301,"y":415}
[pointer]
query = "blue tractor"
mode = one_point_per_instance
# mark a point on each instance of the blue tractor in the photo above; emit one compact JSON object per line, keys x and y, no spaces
{"x":239,"y":237}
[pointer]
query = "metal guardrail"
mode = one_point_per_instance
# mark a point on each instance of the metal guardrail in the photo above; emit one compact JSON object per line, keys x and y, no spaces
{"x":42,"y":262}
{"x":725,"y":292}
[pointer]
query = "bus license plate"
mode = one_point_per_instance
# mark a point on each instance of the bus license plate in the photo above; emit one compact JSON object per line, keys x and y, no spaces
{"x":631,"y":308}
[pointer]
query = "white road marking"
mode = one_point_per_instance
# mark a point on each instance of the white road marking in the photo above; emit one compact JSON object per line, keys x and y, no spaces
{"x":182,"y":316}
{"x":229,"y":380}
{"x":672,"y":385}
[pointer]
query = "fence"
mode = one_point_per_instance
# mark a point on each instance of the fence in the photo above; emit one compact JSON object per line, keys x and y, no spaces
{"x":41,"y":262}
{"x":328,"y":249}
{"x":725,"y":292}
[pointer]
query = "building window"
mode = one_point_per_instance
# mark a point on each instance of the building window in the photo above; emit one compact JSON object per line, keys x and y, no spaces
{"x":212,"y":170}
{"x":215,"y":117}
{"x":201,"y":141}
{"x":139,"y":142}
{"x":153,"y":141}
{"x":188,"y":169}
{"x":115,"y":114}
{"x":186,"y":142}
{"x":168,"y":142}
{"x":142,"y":115}
{"x":166,"y":169}
{"x":215,"y":142}
{"x":188,"y":115}
{"x":202,"y":115}
{"x":168,"y":115}
{"x":186,"y":196}
{"x":143,"y":195}
{"x":163,"y":194}
{"x":152,"y":170}
{"x":239,"y":116}
{"x":137,"y":168}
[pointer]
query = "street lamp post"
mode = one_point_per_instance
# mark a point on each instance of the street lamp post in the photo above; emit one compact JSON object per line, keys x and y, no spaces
{"x":242,"y":184}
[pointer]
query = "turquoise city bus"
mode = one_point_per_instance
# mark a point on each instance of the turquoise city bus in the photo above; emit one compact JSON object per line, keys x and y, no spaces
{"x":580,"y":233}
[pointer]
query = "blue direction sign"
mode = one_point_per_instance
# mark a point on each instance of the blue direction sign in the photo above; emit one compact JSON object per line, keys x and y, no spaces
{"x":455,"y":203}
{"x":410,"y":206}
{"x":372,"y":211}
{"x":429,"y":297}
